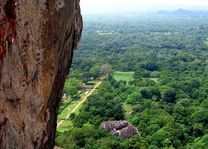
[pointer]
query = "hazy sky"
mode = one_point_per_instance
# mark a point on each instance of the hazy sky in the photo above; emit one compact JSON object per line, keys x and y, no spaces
{"x":99,"y":6}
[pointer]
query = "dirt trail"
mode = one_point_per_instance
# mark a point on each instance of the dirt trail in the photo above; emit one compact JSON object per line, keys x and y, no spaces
{"x":83,"y":99}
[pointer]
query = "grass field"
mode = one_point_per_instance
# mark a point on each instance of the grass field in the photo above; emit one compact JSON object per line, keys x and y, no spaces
{"x":65,"y":112}
{"x":64,"y":103}
{"x":65,"y":126}
{"x":124,"y":76}
{"x":154,"y":79}
{"x":93,"y":81}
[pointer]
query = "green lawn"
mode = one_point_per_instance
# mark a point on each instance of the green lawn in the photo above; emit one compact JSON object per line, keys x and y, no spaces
{"x":93,"y":81}
{"x":65,"y":112}
{"x":154,"y":79}
{"x":124,"y":76}
{"x":89,"y":86}
{"x":64,"y":103}
{"x":65,"y":126}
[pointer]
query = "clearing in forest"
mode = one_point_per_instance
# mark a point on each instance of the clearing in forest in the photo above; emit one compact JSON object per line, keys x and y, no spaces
{"x":123,"y":76}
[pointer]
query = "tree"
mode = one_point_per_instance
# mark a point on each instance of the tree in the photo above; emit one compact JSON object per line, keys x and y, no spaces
{"x":100,"y":107}
{"x":200,"y":142}
{"x":72,"y":116}
{"x":106,"y":69}
{"x":150,"y":66}
{"x":95,"y":72}
{"x":84,"y":137}
{"x":70,"y":90}
{"x":134,"y":98}
{"x":200,"y":116}
{"x":170,"y":95}
{"x":142,"y":73}
{"x":151,"y":93}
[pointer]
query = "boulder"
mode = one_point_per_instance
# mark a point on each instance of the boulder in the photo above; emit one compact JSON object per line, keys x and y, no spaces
{"x":120,"y":128}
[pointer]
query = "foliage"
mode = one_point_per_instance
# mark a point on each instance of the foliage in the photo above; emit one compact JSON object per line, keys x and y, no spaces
{"x":161,"y":71}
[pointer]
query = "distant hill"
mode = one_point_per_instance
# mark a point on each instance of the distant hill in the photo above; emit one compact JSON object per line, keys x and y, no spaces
{"x":184,"y":12}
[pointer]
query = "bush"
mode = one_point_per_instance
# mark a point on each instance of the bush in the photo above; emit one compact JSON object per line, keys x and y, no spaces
{"x":151,"y":93}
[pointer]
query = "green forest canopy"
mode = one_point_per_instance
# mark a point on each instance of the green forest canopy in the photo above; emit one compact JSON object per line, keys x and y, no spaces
{"x":166,"y":92}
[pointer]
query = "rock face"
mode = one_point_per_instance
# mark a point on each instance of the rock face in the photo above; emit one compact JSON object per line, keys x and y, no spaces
{"x":120,"y":128}
{"x":37,"y":38}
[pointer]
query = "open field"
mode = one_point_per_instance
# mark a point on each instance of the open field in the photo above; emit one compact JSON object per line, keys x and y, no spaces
{"x":124,"y":76}
{"x":66,"y":125}
{"x":154,"y":79}
{"x":64,"y":104}
{"x":65,"y":111}
{"x":93,"y":81}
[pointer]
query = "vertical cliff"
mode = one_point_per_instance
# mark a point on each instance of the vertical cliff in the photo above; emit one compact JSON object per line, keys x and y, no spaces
{"x":37,"y":38}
